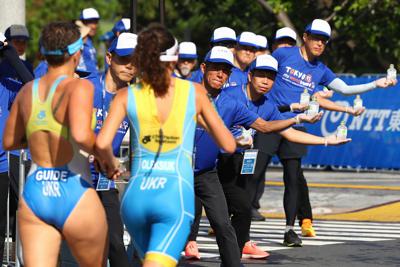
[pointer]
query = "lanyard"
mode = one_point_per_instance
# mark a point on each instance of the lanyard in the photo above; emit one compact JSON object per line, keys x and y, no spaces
{"x":104,"y":105}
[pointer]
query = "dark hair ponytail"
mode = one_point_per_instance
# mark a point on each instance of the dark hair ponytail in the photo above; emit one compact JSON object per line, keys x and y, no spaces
{"x":151,"y":42}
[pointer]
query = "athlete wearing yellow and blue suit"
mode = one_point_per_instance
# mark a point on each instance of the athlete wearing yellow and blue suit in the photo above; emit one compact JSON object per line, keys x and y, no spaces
{"x":52,"y":193}
{"x":158,"y":205}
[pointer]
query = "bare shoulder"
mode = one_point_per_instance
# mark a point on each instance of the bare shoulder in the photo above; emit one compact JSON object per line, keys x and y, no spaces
{"x":199,"y":88}
{"x":25,"y":92}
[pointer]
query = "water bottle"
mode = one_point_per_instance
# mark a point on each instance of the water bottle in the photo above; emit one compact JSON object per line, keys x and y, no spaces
{"x":305,"y":97}
{"x":391,"y":73}
{"x":313,"y":107}
{"x":358,"y":103}
{"x":341,"y":132}
{"x":247,"y":135}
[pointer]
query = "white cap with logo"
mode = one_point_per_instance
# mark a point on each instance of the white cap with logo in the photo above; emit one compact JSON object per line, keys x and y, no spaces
{"x":262,"y":41}
{"x":223,"y":34}
{"x":264,"y":62}
{"x":285,"y":32}
{"x":124,"y":44}
{"x":187,"y":50}
{"x":89,"y":13}
{"x":248,"y":39}
{"x":220,"y":54}
{"x":319,"y":27}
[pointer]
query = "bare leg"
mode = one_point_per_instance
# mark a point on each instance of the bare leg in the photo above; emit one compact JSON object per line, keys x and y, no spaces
{"x":86,"y":231}
{"x":40,"y":241}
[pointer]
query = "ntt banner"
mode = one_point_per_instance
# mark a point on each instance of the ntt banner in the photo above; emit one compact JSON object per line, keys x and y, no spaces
{"x":375,"y":134}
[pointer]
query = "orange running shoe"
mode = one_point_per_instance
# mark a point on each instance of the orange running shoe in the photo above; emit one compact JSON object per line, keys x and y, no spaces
{"x":192,"y":251}
{"x":251,"y":251}
{"x":307,"y":229}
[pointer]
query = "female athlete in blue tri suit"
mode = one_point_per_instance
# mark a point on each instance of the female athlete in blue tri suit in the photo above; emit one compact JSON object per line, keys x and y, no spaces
{"x":158,"y":204}
{"x":52,"y":116}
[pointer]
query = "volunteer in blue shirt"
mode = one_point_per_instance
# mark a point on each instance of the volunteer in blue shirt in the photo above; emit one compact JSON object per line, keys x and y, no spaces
{"x":299,"y":68}
{"x":8,"y":91}
{"x":120,"y":73}
{"x":187,"y":60}
{"x":90,"y":17}
{"x":18,"y":37}
{"x":216,"y":69}
{"x":262,"y":72}
{"x":224,"y":36}
{"x":245,"y":53}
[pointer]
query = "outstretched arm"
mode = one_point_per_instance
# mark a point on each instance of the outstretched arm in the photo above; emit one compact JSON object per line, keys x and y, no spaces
{"x":106,"y":135}
{"x":300,"y":137}
{"x":213,"y":122}
{"x":340,"y":86}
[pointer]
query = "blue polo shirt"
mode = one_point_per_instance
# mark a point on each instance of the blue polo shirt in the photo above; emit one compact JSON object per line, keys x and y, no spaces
{"x":237,"y":77}
{"x":41,"y":69}
{"x":102,"y":102}
{"x":263,"y":107}
{"x":295,"y":74}
{"x":8,"y":91}
{"x":88,"y":60}
{"x":232,"y":113}
{"x":195,"y":76}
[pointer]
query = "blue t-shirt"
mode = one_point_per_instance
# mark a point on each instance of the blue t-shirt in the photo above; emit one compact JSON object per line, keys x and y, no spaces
{"x":295,"y":74}
{"x":8,"y":91}
{"x":102,"y":102}
{"x":263,"y":107}
{"x":195,"y":76}
{"x":88,"y":60}
{"x":232,"y":113}
{"x":237,"y":77}
{"x":7,"y":71}
{"x":41,"y":69}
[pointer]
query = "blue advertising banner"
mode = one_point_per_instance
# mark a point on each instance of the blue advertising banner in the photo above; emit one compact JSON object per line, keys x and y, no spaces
{"x":375,"y":134}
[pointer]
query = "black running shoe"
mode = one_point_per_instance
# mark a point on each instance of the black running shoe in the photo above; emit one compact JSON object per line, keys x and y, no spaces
{"x":291,"y":239}
{"x":256,"y":216}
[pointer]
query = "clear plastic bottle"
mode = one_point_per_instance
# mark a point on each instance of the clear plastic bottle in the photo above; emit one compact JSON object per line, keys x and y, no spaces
{"x":358,"y":103}
{"x":391,"y":73}
{"x":313,"y":107}
{"x":247,"y":134}
{"x":341,"y":132}
{"x":305,"y":97}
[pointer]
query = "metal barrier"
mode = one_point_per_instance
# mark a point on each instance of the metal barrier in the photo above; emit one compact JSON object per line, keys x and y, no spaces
{"x":17,"y":248}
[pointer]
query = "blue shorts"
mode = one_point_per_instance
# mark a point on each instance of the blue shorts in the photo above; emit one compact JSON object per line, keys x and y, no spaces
{"x":52,"y":193}
{"x":158,"y":213}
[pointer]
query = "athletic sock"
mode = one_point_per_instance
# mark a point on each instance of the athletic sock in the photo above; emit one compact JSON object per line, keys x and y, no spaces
{"x":288,"y":227}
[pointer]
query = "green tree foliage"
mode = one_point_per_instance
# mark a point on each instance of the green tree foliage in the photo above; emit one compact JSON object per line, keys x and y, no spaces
{"x":41,"y":12}
{"x":365,"y":34}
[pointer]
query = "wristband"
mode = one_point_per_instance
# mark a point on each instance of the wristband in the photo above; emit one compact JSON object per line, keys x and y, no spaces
{"x":346,"y":110}
{"x":325,"y":142}
{"x":291,"y":108}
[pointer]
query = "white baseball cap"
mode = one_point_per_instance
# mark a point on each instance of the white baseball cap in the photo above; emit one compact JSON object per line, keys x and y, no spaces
{"x":122,"y":25}
{"x":319,"y":27}
{"x":89,"y":13}
{"x":285,"y":32}
{"x":220,"y":54}
{"x":223,"y":34}
{"x":187,"y":50}
{"x":264,"y":62}
{"x":262,"y":41}
{"x":124,"y":44}
{"x":248,"y":38}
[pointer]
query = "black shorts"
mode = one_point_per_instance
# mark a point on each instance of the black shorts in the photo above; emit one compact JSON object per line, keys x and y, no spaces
{"x":274,"y":144}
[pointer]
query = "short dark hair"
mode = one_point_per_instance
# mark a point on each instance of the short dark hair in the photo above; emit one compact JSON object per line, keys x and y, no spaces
{"x":57,"y":36}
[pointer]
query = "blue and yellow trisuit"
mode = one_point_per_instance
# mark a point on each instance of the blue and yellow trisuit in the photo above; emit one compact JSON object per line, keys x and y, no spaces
{"x":158,"y":204}
{"x":52,"y":193}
